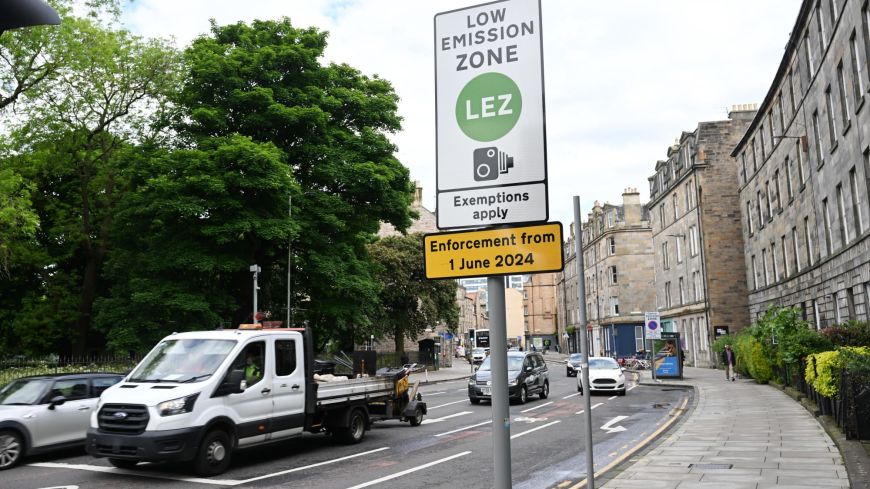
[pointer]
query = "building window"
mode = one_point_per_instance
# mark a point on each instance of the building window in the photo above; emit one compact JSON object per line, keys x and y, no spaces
{"x":841,"y":207}
{"x":795,"y":249}
{"x":774,"y":261}
{"x":802,"y":172}
{"x":638,"y":339}
{"x":820,"y":159}
{"x":760,"y":211}
{"x":808,"y":55}
{"x":764,"y":267}
{"x":781,"y":107}
{"x":749,"y":216}
{"x":856,"y":202}
{"x":609,"y":219}
{"x":667,"y":294}
{"x":816,"y":316}
{"x":613,"y":277}
{"x":770,"y":130}
{"x":865,"y":31}
{"x":676,"y":207}
{"x":838,"y":305}
{"x":809,"y":241}
{"x":769,"y":199}
{"x":833,"y":5}
{"x":832,"y":127}
{"x":777,"y":189}
{"x":791,"y":89}
{"x":693,"y":241}
{"x":614,"y":306}
{"x":688,"y":197}
{"x":679,"y":250}
{"x":763,"y":148}
{"x":826,"y":219}
{"x":754,"y":156}
{"x":788,"y":187}
{"x":666,"y":262}
{"x":844,"y":96}
{"x":857,"y":83}
{"x":662,"y":214}
{"x":682,"y":291}
{"x":611,"y":244}
{"x":696,"y":286}
{"x":820,"y":28}
{"x":785,"y":261}
{"x":754,"y":274}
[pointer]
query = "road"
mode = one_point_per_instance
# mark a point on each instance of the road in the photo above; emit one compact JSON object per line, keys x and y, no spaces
{"x":452,"y":448}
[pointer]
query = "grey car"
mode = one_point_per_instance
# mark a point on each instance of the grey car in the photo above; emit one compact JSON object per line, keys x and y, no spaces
{"x":39,"y":414}
{"x":527,"y":375}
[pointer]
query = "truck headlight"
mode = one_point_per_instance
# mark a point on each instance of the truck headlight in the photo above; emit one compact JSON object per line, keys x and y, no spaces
{"x":177,"y":406}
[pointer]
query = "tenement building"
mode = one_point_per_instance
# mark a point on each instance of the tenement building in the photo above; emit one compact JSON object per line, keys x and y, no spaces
{"x":539,"y":311}
{"x":618,"y":273}
{"x":697,"y":238}
{"x":804,"y":173}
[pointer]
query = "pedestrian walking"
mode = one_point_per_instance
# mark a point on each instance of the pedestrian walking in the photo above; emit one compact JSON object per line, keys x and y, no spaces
{"x":729,"y":358}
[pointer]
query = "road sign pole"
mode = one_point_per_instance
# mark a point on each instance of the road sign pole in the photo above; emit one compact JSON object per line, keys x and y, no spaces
{"x":584,"y":347}
{"x":501,"y":427}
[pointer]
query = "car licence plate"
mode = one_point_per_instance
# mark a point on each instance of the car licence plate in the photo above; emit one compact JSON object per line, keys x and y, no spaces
{"x":485,"y":391}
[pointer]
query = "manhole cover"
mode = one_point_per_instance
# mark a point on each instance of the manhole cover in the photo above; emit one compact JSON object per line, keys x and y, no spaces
{"x":710,"y":466}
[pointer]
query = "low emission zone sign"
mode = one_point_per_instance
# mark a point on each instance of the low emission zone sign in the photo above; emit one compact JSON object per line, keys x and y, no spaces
{"x":503,"y":251}
{"x":489,"y":105}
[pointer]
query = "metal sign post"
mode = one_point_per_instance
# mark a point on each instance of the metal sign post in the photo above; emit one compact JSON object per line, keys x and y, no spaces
{"x":501,"y":426}
{"x":584,"y":346}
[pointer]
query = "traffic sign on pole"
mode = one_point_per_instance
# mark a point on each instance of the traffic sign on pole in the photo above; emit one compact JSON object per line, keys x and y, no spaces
{"x":489,"y":103}
{"x":653,"y":325}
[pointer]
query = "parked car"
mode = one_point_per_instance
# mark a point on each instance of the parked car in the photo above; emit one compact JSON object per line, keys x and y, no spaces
{"x":572,"y":364}
{"x":527,"y":375}
{"x":604,"y":375}
{"x":478,"y":355}
{"x":43,"y":413}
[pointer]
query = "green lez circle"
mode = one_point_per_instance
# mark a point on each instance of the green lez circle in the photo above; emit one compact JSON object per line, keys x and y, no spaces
{"x":488,"y":107}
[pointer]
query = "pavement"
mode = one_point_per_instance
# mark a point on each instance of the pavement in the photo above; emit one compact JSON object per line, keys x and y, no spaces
{"x":738,"y":435}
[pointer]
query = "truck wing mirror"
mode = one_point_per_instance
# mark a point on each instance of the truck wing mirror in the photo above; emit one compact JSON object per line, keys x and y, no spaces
{"x":233,"y":384}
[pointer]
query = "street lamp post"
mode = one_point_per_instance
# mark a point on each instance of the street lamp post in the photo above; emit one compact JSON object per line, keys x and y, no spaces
{"x":255,"y":269}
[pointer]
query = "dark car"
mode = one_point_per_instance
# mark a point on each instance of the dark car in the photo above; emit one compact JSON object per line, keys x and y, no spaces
{"x":527,"y":375}
{"x":572,"y":364}
{"x":43,"y":413}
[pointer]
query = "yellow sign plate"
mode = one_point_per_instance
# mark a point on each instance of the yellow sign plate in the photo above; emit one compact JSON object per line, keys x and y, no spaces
{"x":503,"y":251}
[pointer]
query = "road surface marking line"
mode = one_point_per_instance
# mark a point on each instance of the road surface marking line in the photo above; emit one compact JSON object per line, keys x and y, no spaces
{"x":319,"y":464}
{"x":580,"y":411}
{"x":434,"y":393}
{"x":596,"y":405}
{"x":461,"y":390}
{"x":409,"y":471}
{"x":630,"y":388}
{"x":582,"y":484}
{"x":611,"y":398}
{"x":457,"y":430}
{"x":438,"y":420}
{"x":153,"y":475}
{"x":448,"y":404}
{"x":571,"y":395}
{"x":534,"y":429}
{"x":536,"y":407}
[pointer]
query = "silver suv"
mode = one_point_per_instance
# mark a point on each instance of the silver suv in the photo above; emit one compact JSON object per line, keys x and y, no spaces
{"x":38,"y":414}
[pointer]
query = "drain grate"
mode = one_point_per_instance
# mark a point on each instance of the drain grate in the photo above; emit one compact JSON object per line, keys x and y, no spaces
{"x":711,"y":466}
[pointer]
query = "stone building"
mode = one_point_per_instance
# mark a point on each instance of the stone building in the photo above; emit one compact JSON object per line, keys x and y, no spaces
{"x":696,"y":235}
{"x":618,"y":272}
{"x":805,"y":171}
{"x":539,"y":311}
{"x":467,"y":320}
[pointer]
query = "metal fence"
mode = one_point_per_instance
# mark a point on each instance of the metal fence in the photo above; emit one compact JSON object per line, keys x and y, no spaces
{"x":850,"y":408}
{"x":16,"y":367}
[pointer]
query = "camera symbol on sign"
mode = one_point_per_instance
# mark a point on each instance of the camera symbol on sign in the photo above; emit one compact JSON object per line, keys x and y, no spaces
{"x":490,"y":162}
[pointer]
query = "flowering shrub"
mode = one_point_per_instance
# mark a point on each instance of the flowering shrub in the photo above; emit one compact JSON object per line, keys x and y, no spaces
{"x":823,"y":368}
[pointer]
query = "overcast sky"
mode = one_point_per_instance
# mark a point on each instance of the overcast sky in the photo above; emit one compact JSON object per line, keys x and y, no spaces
{"x":622,"y":78}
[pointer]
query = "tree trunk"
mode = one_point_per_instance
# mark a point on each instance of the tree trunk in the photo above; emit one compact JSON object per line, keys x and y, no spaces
{"x":89,"y":293}
{"x":399,"y":342}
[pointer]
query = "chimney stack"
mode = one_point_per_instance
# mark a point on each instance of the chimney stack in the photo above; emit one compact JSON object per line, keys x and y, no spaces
{"x":631,"y":206}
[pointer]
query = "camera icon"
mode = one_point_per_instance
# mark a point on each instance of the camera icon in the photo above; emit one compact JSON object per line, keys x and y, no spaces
{"x":490,"y":162}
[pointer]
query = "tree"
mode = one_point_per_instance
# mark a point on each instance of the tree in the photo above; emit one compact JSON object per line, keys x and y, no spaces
{"x":67,"y":138}
{"x":409,"y":302}
{"x":265,"y":81}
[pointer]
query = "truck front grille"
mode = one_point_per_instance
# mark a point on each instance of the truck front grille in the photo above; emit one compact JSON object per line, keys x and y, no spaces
{"x":128,"y":419}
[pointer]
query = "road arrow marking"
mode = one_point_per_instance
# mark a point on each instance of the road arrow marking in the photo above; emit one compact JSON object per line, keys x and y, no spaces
{"x":615,"y":429}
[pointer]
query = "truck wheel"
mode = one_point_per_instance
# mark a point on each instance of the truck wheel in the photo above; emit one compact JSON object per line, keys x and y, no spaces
{"x":214,"y":454}
{"x":545,"y":391}
{"x":11,"y":449}
{"x":418,"y":417}
{"x":355,"y":429}
{"x":123,"y":463}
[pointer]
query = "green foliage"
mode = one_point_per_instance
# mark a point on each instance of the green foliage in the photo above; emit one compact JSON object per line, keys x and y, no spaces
{"x":822,"y":370}
{"x":850,"y":333}
{"x":751,"y":357}
{"x":409,"y":302}
{"x":720,"y":342}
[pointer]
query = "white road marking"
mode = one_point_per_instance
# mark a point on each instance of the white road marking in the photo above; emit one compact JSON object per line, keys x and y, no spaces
{"x":409,"y":471}
{"x":434,"y":393}
{"x":217,"y":482}
{"x":593,"y":407}
{"x":611,"y":398}
{"x":457,"y":430}
{"x":534,"y":429}
{"x":630,"y":388}
{"x":449,"y":403}
{"x":438,"y":420}
{"x":461,"y":390}
{"x":571,"y":395}
{"x":536,"y":407}
{"x":613,"y":429}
